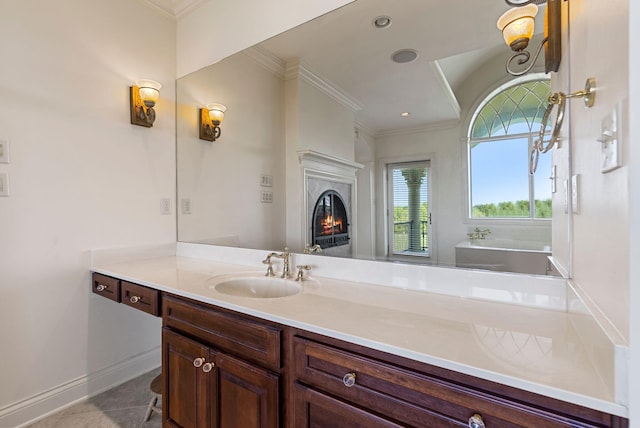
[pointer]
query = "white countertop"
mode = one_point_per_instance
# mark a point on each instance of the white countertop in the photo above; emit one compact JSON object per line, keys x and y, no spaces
{"x":534,"y":349}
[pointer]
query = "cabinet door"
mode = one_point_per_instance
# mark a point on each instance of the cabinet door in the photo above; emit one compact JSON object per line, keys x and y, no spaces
{"x":316,"y":410}
{"x":188,"y":399}
{"x":248,"y":395}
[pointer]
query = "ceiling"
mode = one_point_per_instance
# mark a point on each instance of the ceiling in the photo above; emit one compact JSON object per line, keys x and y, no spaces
{"x":343,"y":47}
{"x":452,"y":38}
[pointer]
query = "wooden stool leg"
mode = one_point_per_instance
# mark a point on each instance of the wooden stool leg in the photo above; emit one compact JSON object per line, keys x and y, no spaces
{"x":150,"y":407}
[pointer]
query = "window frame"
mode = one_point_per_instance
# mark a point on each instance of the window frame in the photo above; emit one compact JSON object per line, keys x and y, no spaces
{"x":482,"y":101}
{"x":385,"y":166}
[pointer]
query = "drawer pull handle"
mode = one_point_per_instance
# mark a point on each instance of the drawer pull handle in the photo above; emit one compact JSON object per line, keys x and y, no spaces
{"x":207,"y":367}
{"x":476,"y":421}
{"x":349,"y":379}
{"x":135,"y":299}
{"x":101,"y":287}
{"x":198,"y":362}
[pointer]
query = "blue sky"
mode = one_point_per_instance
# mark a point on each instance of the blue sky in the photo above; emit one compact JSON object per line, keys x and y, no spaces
{"x":499,"y":172}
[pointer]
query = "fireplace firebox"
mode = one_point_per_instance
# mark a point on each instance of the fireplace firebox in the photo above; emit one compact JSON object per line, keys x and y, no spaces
{"x":330,"y":225}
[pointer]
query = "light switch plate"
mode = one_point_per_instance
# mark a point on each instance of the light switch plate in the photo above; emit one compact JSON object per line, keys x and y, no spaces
{"x":266,"y":196}
{"x":4,"y":151}
{"x":4,"y":184}
{"x":566,"y":195}
{"x":185,"y":206}
{"x":610,"y":140}
{"x":575,"y":200}
{"x":165,"y":206}
{"x":266,"y":180}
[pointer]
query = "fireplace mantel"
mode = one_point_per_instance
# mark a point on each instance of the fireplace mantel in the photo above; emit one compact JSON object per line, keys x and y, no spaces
{"x":310,"y":159}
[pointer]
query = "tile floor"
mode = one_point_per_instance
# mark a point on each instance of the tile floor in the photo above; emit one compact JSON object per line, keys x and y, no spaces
{"x":121,"y":407}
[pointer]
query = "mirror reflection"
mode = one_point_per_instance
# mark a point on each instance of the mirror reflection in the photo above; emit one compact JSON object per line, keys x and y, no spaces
{"x":383,"y":130}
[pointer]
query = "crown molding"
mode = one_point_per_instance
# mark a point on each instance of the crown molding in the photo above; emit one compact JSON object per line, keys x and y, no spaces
{"x":437,"y":126}
{"x":173,"y":8}
{"x":297,"y":69}
{"x":266,"y":60}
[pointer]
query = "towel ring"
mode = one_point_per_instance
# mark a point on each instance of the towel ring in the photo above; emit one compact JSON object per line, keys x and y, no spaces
{"x":559,"y":99}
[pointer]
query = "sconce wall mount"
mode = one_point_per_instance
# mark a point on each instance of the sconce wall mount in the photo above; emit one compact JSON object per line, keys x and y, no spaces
{"x":144,"y":96}
{"x":210,"y":119}
{"x":517,"y":27}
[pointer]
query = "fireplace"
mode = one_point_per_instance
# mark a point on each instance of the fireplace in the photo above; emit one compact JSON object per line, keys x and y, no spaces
{"x":330,"y":224}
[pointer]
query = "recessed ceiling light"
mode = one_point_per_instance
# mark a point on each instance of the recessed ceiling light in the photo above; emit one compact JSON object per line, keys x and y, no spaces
{"x":405,"y":114}
{"x":382,"y":22}
{"x":404,"y":55}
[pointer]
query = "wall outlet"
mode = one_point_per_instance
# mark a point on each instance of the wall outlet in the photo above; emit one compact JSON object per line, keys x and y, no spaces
{"x":4,"y":184}
{"x":4,"y":151}
{"x":185,"y":206}
{"x":266,"y":196}
{"x":165,"y":206}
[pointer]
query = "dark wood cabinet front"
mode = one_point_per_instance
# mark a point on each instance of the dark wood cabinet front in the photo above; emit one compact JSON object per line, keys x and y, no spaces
{"x":314,"y":409}
{"x":247,"y":395}
{"x":106,"y":286}
{"x":414,"y":397}
{"x":205,"y":386}
{"x":187,"y":396}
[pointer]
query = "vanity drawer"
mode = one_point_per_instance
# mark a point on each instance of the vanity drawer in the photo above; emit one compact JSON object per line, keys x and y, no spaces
{"x":412,"y":398}
{"x":234,"y":334}
{"x":143,"y":298}
{"x":106,"y":286}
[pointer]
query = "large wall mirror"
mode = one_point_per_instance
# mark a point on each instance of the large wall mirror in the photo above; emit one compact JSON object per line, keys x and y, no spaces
{"x":355,"y":133}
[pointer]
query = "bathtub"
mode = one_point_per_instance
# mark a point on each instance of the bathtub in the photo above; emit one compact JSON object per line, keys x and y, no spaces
{"x":505,"y":255}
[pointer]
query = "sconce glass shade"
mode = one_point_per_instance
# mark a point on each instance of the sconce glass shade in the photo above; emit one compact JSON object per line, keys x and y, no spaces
{"x":517,"y":25}
{"x":149,"y":91}
{"x":216,"y":112}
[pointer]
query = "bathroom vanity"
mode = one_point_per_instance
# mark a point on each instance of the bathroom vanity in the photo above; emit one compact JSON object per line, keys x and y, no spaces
{"x":345,"y":354}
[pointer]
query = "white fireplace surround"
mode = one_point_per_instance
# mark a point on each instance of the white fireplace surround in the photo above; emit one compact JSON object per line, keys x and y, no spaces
{"x":336,"y":174}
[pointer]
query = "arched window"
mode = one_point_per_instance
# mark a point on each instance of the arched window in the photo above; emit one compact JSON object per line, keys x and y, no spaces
{"x":500,"y":138}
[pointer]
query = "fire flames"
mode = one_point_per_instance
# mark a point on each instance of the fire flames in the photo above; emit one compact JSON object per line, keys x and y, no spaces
{"x":329,"y":225}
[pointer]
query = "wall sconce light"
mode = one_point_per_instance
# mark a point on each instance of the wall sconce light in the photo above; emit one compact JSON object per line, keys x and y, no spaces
{"x":210,"y":120}
{"x":517,"y":26}
{"x":144,"y":96}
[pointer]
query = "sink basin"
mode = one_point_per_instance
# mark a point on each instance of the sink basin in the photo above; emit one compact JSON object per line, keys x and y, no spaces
{"x":256,"y":286}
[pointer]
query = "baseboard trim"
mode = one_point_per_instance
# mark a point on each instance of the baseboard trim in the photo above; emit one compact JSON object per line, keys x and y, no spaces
{"x":39,"y":406}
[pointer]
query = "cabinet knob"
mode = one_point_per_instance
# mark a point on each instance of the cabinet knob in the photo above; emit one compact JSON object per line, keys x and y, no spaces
{"x":476,"y":421}
{"x":349,"y":379}
{"x":198,"y":362}
{"x":207,"y":367}
{"x":135,"y":299}
{"x":101,"y":287}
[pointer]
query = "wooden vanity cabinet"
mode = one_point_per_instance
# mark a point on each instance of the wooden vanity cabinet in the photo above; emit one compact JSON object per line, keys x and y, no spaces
{"x":226,"y":369}
{"x":389,"y":391}
{"x":106,"y":286}
{"x":136,"y":296}
{"x":220,"y":369}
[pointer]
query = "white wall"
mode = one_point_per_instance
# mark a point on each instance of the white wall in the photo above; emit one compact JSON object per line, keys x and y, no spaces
{"x":217,"y":29}
{"x":599,"y":48}
{"x":222,"y":178}
{"x":324,"y":125}
{"x":634,"y":207}
{"x":81,"y":177}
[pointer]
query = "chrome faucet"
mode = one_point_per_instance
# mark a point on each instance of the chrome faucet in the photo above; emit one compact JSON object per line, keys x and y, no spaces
{"x":314,"y":249}
{"x":285,"y":259}
{"x":478,"y":233}
{"x":267,"y":261}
